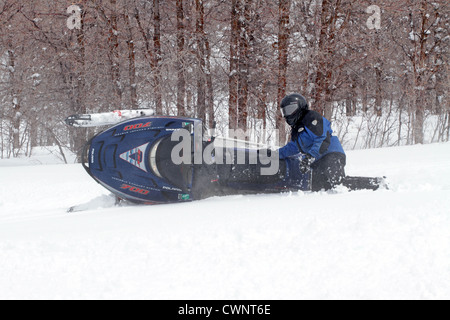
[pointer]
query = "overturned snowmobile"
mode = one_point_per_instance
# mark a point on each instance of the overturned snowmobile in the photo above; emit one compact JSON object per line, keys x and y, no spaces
{"x":156,"y":160}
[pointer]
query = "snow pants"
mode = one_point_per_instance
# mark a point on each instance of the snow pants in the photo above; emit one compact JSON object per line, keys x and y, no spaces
{"x":328,"y":172}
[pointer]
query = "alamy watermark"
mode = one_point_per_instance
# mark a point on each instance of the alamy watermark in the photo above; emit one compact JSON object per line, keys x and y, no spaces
{"x":374,"y":21}
{"x":192,"y":150}
{"x":74,"y":21}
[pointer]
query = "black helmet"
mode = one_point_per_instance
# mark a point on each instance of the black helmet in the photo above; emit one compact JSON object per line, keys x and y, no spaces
{"x":293,"y":108}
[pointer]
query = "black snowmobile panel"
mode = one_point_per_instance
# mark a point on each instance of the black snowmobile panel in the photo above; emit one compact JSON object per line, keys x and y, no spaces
{"x":178,"y":175}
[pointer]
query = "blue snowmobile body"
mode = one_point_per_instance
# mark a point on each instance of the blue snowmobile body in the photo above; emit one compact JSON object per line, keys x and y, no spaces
{"x":134,"y":160}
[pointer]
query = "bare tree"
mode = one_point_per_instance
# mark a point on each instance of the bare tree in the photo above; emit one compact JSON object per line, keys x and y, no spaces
{"x":234,"y":60}
{"x":283,"y":50}
{"x":181,"y":83}
{"x":131,"y":61}
{"x":423,"y":51}
{"x":157,"y":56}
{"x":152,"y":51}
{"x":201,"y":59}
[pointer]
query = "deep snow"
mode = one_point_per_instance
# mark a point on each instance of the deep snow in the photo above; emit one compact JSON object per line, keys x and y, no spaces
{"x":389,"y":244}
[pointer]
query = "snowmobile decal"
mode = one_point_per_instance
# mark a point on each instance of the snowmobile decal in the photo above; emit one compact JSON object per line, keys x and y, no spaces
{"x":135,"y":156}
{"x":137,"y":126}
{"x":135,"y":190}
{"x":184,"y":197}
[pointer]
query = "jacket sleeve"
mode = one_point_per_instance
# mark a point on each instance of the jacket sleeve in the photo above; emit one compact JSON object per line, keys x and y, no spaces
{"x":289,"y":150}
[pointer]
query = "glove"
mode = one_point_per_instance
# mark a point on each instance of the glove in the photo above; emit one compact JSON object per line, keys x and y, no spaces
{"x":306,"y":162}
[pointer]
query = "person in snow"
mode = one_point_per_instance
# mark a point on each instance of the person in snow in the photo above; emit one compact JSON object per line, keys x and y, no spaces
{"x":312,"y":138}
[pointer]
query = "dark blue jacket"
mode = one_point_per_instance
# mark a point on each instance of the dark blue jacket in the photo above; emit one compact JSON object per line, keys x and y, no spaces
{"x":313,"y":136}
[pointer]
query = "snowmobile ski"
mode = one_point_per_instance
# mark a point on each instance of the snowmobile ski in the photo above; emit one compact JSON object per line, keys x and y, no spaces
{"x":365,"y":183}
{"x":98,"y":203}
{"x":106,"y":118}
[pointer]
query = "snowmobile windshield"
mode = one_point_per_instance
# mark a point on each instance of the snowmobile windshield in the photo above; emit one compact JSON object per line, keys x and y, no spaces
{"x":153,"y":163}
{"x":162,"y":165}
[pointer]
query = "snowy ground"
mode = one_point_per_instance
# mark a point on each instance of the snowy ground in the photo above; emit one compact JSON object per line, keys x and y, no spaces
{"x":363,"y":245}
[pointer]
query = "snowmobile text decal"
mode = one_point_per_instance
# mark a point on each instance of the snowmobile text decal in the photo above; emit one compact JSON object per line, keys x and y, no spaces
{"x":136,"y":157}
{"x":137,"y":126}
{"x":135,"y":190}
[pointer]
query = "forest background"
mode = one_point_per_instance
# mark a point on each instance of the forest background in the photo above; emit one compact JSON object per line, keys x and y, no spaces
{"x":378,"y":69}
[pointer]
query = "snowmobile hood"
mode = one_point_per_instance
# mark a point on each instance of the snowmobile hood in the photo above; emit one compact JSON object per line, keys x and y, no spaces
{"x":132,"y":160}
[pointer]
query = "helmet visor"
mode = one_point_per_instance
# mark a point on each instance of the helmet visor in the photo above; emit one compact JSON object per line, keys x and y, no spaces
{"x":289,"y":110}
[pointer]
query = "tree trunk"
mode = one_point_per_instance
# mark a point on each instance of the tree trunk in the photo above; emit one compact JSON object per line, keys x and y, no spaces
{"x":244,"y":57}
{"x":379,"y":91}
{"x":233,"y":76}
{"x":283,"y":51}
{"x":319,"y":93}
{"x":365,"y":103}
{"x":153,"y":55}
{"x":201,"y":67}
{"x":379,"y":80}
{"x":157,"y":56}
{"x":349,"y":107}
{"x":79,"y":92}
{"x":131,"y":64}
{"x":262,"y":110}
{"x":209,"y":87}
{"x":33,"y":134}
{"x":419,"y":120}
{"x":327,"y":47}
{"x":419,"y":63}
{"x":2,"y":143}
{"x":15,"y":102}
{"x":114,"y":56}
{"x":448,"y":126}
{"x":181,"y":82}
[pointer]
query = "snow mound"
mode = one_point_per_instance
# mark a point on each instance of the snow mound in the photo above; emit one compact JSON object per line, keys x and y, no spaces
{"x":40,"y":156}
